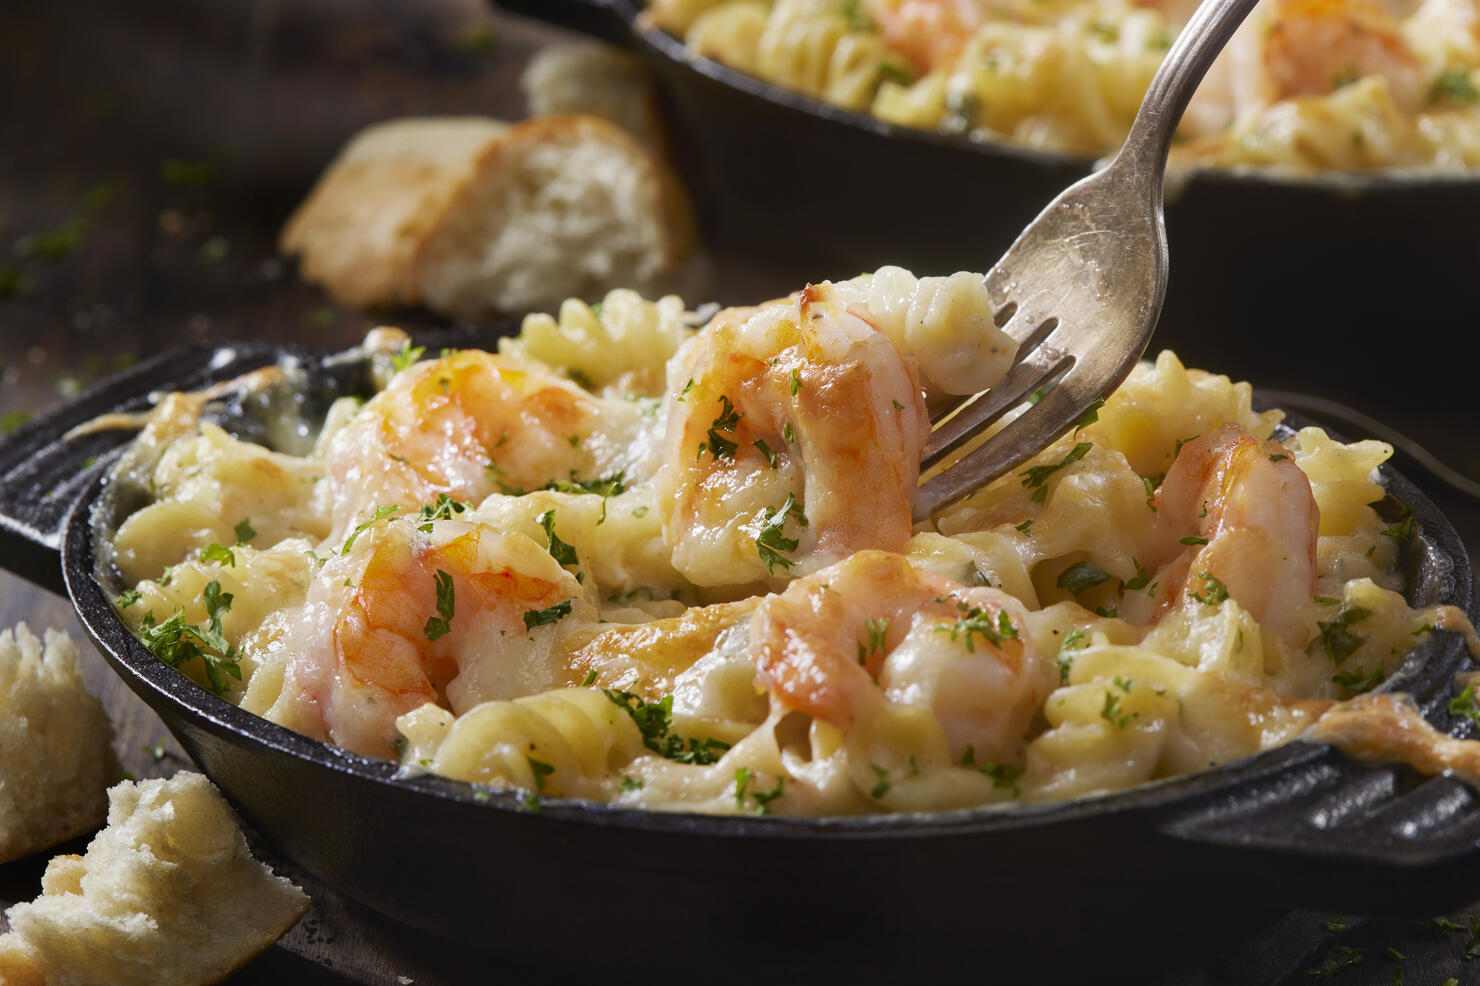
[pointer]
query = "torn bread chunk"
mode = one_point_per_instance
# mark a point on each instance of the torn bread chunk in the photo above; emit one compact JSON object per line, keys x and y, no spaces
{"x":54,"y":754}
{"x":166,"y":895}
{"x":477,"y":218}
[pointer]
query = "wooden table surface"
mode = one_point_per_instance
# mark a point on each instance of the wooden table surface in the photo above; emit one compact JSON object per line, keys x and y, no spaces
{"x":146,"y":161}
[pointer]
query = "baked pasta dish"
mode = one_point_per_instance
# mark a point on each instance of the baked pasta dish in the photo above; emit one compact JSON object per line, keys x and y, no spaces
{"x":629,"y":561}
{"x":1347,"y":85}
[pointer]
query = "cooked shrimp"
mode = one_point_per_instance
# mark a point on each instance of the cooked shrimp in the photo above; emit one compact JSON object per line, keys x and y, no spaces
{"x":931,"y":33}
{"x":405,"y":617}
{"x":470,"y":424}
{"x":1237,"y":510}
{"x":793,"y":439}
{"x":1313,"y":47}
{"x":838,"y":644}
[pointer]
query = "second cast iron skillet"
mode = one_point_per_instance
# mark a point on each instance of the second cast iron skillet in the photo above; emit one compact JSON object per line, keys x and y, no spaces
{"x":1279,"y":278}
{"x":1141,"y":875}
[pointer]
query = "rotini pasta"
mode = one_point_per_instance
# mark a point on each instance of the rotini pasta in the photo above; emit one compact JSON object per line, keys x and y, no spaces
{"x":627,"y":561}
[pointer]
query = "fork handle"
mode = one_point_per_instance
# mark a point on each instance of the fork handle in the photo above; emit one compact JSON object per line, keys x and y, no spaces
{"x":1193,"y":53}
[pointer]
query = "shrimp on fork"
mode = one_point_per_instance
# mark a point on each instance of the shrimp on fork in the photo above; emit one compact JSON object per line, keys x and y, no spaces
{"x":793,"y":439}
{"x":456,"y":616}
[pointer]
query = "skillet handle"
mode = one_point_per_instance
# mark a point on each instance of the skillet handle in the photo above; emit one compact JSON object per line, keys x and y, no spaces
{"x":45,"y":466}
{"x":1352,"y":836}
{"x":609,"y":20}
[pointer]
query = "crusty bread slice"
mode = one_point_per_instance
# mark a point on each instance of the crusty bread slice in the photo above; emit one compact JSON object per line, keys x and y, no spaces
{"x":561,"y":207}
{"x":358,"y":228}
{"x":517,"y":218}
{"x":167,"y":895}
{"x":54,"y":736}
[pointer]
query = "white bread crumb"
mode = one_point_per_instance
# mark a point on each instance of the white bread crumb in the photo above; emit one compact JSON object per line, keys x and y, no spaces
{"x":166,"y":895}
{"x":53,"y":745}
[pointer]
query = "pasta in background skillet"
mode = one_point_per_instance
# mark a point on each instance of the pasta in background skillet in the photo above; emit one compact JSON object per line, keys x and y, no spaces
{"x":625,"y":561}
{"x":1344,"y":85}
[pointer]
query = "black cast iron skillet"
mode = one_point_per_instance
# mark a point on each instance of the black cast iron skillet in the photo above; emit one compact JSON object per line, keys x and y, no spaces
{"x":1138,"y":876}
{"x":1262,"y":263}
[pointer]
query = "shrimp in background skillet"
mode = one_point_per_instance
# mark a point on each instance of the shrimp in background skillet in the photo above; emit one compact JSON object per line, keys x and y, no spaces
{"x":838,"y":644}
{"x":793,"y":440}
{"x":1312,"y":47}
{"x":405,"y":617}
{"x":470,"y":424}
{"x":1240,"y":510}
{"x":930,"y":33}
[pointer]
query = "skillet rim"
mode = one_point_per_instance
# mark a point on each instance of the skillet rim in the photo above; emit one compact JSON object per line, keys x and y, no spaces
{"x":205,"y":710}
{"x":1340,"y":184}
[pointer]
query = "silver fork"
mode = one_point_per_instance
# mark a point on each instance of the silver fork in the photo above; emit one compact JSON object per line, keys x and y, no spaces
{"x":1082,"y":286}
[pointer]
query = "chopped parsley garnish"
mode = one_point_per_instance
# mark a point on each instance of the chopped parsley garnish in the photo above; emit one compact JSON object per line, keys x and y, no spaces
{"x":897,"y":406}
{"x":1025,"y":527}
{"x":877,"y":630}
{"x":787,"y":433}
{"x":381,"y":513}
{"x":1080,"y":576}
{"x":407,"y":356}
{"x":441,"y":624}
{"x":896,"y":73}
{"x":541,"y":772}
{"x":1213,"y":592}
{"x":1066,"y":660}
{"x":219,"y":554}
{"x":994,"y":631}
{"x":858,"y":19}
{"x":1403,"y":529}
{"x":11,"y":420}
{"x":1340,"y":957}
{"x":882,"y":788}
{"x":1151,"y":485}
{"x":631,"y":783}
{"x":686,"y":388}
{"x":541,"y":617}
{"x":770,"y":455}
{"x":176,"y":642}
{"x":975,"y":576}
{"x":1090,"y":416}
{"x":1463,"y":705}
{"x":1357,"y":683}
{"x":762,"y":799}
{"x":1111,"y":711}
{"x":244,"y":532}
{"x":1035,"y":477}
{"x":1278,"y":458}
{"x":655,"y":719}
{"x":1326,"y":600}
{"x":728,"y":420}
{"x":1193,"y":539}
{"x":1142,"y":576}
{"x":1453,"y":85}
{"x":1336,"y":637}
{"x":443,"y":509}
{"x":559,"y":550}
{"x":1003,"y":775}
{"x":771,"y":540}
{"x":590,"y":679}
{"x":796,"y":381}
{"x":128,"y":597}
